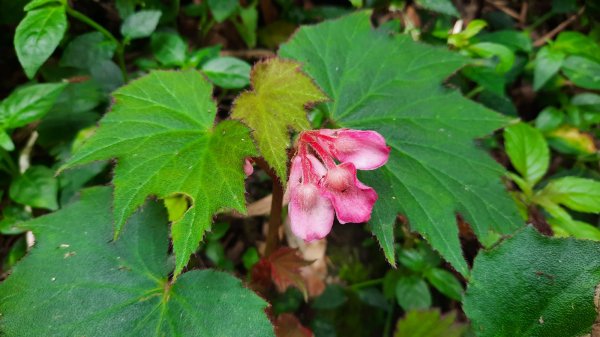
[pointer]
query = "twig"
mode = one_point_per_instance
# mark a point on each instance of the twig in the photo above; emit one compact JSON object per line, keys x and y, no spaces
{"x":250,"y":53}
{"x":548,"y":36}
{"x":508,"y":11}
{"x":276,"y":206}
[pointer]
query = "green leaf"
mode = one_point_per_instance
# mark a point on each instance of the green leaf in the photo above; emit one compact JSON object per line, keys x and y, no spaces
{"x":461,"y":40}
{"x":505,"y":56}
{"x":532,"y":285}
{"x":439,"y":6}
{"x":391,"y":84}
{"x":140,"y":24}
{"x":161,"y":131}
{"x":247,"y":25}
{"x":86,"y":50}
{"x":528,"y":151}
{"x":37,"y":187}
{"x":38,"y":35}
{"x":587,"y":101}
{"x":85,"y":284}
{"x":227,"y":72}
{"x":223,"y":9}
{"x":429,"y":323}
{"x":578,"y":194}
{"x":445,"y":282}
{"x":486,"y":77}
{"x":40,"y":3}
{"x":412,"y":293}
{"x":12,"y":217}
{"x":547,"y":64}
{"x":276,"y":104}
{"x":28,"y":104}
{"x":575,"y":43}
{"x":549,"y":119}
{"x":169,"y":48}
{"x":583,"y":72}
{"x":513,"y":39}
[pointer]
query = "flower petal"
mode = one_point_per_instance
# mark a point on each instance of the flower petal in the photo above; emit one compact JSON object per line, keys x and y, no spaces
{"x":248,"y":168}
{"x":365,"y":149}
{"x":311,"y":214}
{"x":352,"y":200}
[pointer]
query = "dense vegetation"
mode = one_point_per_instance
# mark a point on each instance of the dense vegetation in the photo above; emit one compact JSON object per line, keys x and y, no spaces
{"x":298,"y":168}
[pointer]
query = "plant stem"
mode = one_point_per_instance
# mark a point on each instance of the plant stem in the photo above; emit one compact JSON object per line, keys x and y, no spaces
{"x":366,"y":284}
{"x":276,"y":206}
{"x":10,"y":167}
{"x":120,"y":46}
{"x":275,"y":218}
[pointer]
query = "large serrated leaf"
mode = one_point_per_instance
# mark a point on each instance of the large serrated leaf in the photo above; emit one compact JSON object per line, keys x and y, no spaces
{"x":77,"y":282}
{"x":277,"y":103}
{"x":393,"y":85}
{"x":532,"y":285}
{"x":161,"y":131}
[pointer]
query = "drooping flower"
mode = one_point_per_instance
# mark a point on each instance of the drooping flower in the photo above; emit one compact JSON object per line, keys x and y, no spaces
{"x":352,"y":200}
{"x":320,"y":188}
{"x":365,"y":149}
{"x":311,"y":214}
{"x":248,"y":168}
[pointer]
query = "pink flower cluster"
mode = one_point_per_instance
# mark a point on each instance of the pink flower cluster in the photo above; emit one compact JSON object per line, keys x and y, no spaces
{"x":318,"y":187}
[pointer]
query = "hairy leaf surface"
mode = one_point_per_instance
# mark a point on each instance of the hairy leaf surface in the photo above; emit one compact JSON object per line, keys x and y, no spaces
{"x":161,"y":132}
{"x":392,"y":85}
{"x":533,"y":285}
{"x":77,"y":282}
{"x":277,"y":102}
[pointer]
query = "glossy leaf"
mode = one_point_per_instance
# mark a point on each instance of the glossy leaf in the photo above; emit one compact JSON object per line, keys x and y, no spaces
{"x":583,"y":72}
{"x":576,"y":43}
{"x":26,"y":105}
{"x":429,"y":324}
{"x":578,"y":194}
{"x":445,"y":282}
{"x":275,"y":105}
{"x":37,"y":187}
{"x":223,"y":9}
{"x":86,"y":50}
{"x":161,"y":131}
{"x":38,"y":35}
{"x":528,"y":151}
{"x":412,"y":293}
{"x":169,"y":48}
{"x":393,"y":85}
{"x":227,"y":72}
{"x":547,"y":64}
{"x":532,"y":285}
{"x":439,"y":6}
{"x":140,"y":24}
{"x":85,"y":284}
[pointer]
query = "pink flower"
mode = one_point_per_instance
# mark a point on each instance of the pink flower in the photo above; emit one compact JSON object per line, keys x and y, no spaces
{"x":365,"y":149}
{"x":248,"y":168}
{"x":320,"y":188}
{"x":352,"y":200}
{"x":311,"y":214}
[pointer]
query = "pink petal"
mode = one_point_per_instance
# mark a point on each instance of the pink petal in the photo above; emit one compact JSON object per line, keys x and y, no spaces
{"x":365,"y":149}
{"x":248,"y":168}
{"x":352,"y":200}
{"x":311,"y":214}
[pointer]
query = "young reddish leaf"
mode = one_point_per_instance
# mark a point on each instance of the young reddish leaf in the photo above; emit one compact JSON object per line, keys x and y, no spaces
{"x":161,"y":131}
{"x":277,"y":103}
{"x":288,"y":325}
{"x":283,"y":269}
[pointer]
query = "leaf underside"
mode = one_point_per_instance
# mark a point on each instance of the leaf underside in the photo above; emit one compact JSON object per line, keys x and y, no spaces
{"x":80,"y":283}
{"x":161,"y":131}
{"x":392,"y":85}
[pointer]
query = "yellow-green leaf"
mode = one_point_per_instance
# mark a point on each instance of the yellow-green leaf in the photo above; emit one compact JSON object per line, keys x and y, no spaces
{"x":280,"y":93}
